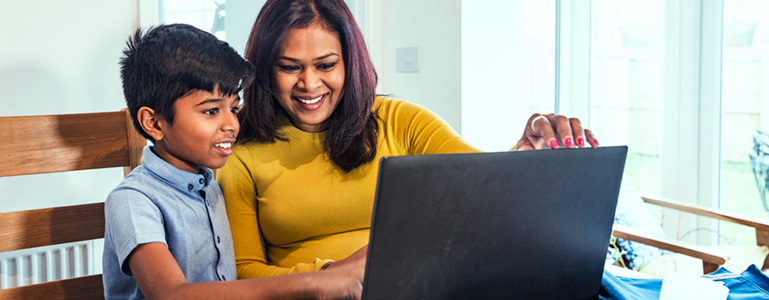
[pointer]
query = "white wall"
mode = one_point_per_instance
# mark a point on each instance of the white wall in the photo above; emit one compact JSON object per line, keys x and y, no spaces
{"x":435,"y":27}
{"x":61,"y":57}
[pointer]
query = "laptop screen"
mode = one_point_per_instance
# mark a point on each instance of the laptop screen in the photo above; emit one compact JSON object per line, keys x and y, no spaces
{"x":522,"y":224}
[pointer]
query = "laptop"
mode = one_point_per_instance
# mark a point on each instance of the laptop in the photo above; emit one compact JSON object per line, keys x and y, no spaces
{"x":506,"y":225}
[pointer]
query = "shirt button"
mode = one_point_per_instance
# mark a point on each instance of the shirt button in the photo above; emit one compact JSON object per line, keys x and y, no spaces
{"x":218,"y":239}
{"x":189,"y":187}
{"x":201,"y":180}
{"x":223,"y":278}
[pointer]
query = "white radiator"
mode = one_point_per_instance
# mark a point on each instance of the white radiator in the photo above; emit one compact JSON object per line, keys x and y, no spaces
{"x":43,"y":264}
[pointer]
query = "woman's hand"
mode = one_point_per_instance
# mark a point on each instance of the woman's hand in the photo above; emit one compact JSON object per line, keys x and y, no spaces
{"x":358,"y":258}
{"x":553,"y":131}
{"x":344,"y":278}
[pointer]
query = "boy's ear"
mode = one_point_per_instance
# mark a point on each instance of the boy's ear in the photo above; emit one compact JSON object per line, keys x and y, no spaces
{"x":151,"y":122}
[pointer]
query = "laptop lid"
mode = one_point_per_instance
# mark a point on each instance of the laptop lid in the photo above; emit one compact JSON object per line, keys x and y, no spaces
{"x":521,"y":224}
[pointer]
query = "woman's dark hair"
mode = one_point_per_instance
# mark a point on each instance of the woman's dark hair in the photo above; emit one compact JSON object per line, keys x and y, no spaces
{"x":351,"y":130}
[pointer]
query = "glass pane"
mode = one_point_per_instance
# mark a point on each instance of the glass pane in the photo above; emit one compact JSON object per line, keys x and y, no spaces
{"x":507,"y":73}
{"x":626,"y":85}
{"x":744,"y":64}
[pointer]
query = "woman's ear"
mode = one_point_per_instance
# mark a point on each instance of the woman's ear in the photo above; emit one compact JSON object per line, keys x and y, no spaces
{"x":151,"y":122}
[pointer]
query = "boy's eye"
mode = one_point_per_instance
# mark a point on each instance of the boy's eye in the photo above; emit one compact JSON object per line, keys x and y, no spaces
{"x":212,"y":111}
{"x":327,"y":66}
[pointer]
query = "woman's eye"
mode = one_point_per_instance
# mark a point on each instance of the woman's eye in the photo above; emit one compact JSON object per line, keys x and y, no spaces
{"x":212,"y":111}
{"x":236,"y":109}
{"x":326,"y":66}
{"x":289,"y":68}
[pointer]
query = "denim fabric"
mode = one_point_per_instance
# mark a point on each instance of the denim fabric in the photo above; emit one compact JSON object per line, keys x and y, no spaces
{"x":160,"y":203}
{"x":750,"y":284}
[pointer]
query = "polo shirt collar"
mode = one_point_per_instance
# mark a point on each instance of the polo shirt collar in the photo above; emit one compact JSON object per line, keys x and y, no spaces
{"x":181,"y":179}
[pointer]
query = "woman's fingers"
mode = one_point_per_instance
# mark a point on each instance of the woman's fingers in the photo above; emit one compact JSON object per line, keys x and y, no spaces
{"x":539,"y":132}
{"x":562,"y":130}
{"x":552,"y":131}
{"x":591,"y":138}
{"x":577,"y":132}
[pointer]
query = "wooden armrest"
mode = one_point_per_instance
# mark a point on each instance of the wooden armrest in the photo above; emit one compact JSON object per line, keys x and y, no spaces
{"x":758,"y":223}
{"x":705,"y":254}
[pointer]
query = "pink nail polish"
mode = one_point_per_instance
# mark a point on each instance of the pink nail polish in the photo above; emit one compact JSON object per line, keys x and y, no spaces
{"x":553,"y":144}
{"x":595,"y":141}
{"x":568,"y":142}
{"x":581,"y":141}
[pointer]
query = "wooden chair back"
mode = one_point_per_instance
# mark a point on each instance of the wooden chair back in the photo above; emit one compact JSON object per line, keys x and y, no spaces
{"x":59,"y":143}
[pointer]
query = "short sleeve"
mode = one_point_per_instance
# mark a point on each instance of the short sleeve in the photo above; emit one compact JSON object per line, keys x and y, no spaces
{"x":131,"y":219}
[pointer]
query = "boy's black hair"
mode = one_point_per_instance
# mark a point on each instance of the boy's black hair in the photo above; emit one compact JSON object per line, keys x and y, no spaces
{"x":170,"y":61}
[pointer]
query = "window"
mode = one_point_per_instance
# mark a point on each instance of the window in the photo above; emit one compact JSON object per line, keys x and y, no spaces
{"x":507,"y":73}
{"x":745,"y":108}
{"x":204,"y":14}
{"x":626,"y":88}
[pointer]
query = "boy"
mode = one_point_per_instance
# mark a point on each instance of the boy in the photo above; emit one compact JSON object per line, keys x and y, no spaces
{"x":167,"y":234}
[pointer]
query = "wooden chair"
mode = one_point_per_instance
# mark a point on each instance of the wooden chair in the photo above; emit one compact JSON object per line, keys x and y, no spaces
{"x":711,"y":258}
{"x":58,"y":143}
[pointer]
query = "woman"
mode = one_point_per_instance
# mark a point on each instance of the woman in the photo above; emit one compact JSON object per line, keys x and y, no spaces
{"x":300,"y":185}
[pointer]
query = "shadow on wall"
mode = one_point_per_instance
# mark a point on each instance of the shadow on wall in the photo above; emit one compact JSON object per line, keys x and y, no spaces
{"x":30,"y":90}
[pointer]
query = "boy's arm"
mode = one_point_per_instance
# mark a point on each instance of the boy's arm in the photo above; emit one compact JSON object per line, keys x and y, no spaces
{"x":159,"y":277}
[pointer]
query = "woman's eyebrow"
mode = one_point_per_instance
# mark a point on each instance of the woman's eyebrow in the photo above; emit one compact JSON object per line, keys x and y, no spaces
{"x":289,"y":59}
{"x":316,"y":59}
{"x":326,"y":56}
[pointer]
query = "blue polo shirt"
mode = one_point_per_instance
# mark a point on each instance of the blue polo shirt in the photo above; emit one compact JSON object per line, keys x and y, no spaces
{"x":159,"y":203}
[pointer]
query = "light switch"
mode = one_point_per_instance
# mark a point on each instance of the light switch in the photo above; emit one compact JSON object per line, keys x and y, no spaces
{"x":407,"y":60}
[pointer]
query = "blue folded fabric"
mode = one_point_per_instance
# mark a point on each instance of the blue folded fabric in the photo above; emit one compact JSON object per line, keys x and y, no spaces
{"x":750,"y":284}
{"x":622,"y":288}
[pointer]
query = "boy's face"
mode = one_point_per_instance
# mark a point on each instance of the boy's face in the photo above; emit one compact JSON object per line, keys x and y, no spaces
{"x":203,"y":132}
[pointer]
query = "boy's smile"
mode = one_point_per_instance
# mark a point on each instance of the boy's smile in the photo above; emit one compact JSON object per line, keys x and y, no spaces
{"x":203,"y":131}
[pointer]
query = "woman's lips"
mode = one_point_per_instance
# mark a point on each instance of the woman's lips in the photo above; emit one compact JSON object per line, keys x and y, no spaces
{"x":312,"y":102}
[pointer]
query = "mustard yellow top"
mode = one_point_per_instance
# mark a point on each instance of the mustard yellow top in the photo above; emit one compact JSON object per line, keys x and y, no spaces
{"x":292,"y":210}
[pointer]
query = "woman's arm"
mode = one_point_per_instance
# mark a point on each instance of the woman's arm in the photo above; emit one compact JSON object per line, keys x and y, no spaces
{"x":424,"y":132}
{"x":159,"y":277}
{"x":239,"y":190}
{"x":419,"y":130}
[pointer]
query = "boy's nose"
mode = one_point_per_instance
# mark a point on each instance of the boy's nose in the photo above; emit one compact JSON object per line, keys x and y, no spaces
{"x":231,"y":123}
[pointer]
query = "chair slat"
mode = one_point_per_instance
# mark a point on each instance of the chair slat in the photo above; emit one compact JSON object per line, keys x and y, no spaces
{"x":87,"y":287}
{"x":51,"y":226}
{"x":136,"y":143}
{"x":57,"y":143}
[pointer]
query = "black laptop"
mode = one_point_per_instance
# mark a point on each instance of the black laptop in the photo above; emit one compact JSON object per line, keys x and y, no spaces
{"x":506,"y":225}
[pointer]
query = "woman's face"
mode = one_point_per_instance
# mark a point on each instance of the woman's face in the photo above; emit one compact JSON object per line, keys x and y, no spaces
{"x":308,"y":76}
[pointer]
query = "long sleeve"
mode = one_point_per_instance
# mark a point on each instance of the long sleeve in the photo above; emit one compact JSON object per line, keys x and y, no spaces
{"x":419,"y":130}
{"x":240,"y":193}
